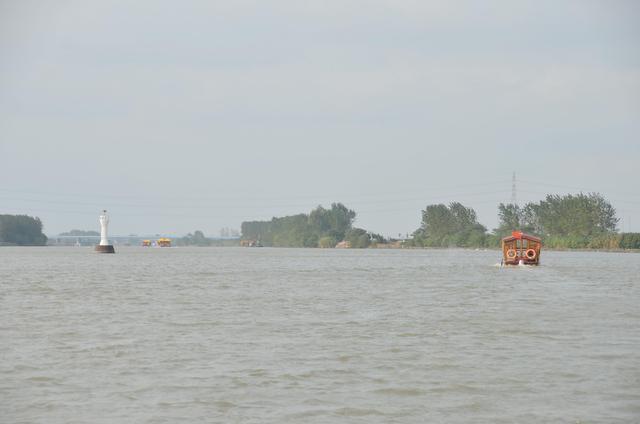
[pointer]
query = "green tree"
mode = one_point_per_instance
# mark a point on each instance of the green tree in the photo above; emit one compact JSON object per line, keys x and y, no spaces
{"x":630,"y":241}
{"x":257,"y":230}
{"x":341,"y":220}
{"x":509,"y":219}
{"x":302,"y":230}
{"x":21,"y":230}
{"x":437,"y":224}
{"x":196,"y":239}
{"x":577,"y":216}
{"x":512,"y":217}
{"x":320,"y":220}
{"x":358,"y":238}
{"x":453,"y":225}
{"x":327,"y":242}
{"x":564,"y":221}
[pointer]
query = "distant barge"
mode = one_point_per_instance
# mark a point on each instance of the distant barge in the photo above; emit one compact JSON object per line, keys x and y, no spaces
{"x":521,"y":248}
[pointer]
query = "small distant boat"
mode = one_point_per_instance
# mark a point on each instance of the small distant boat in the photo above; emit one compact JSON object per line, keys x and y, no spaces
{"x":250,"y":243}
{"x":164,"y":242}
{"x":521,"y":249}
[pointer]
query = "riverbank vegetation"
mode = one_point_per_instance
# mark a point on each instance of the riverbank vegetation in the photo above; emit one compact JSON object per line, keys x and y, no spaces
{"x":580,"y":221}
{"x":21,"y":230}
{"x":572,"y":221}
{"x":320,"y":228}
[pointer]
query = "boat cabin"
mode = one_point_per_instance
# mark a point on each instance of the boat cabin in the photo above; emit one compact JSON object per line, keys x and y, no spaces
{"x":521,"y":248}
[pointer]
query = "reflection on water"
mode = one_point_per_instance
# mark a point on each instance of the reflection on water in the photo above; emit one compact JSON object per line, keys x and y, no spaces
{"x":282,"y":335}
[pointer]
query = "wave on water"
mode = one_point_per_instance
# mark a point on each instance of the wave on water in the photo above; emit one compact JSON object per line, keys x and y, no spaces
{"x":519,"y":266}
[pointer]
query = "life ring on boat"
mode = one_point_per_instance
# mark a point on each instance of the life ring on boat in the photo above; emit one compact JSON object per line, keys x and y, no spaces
{"x":511,"y":254}
{"x":530,"y":254}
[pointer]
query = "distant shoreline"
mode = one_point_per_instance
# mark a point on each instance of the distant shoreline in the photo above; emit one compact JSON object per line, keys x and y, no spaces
{"x":495,"y":249}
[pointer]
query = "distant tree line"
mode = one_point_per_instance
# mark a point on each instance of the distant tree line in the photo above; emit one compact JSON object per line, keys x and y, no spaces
{"x":320,"y":228}
{"x":629,"y":241}
{"x":81,"y":233}
{"x":568,"y":221}
{"x":21,"y":230}
{"x":197,"y":238}
{"x":571,"y":221}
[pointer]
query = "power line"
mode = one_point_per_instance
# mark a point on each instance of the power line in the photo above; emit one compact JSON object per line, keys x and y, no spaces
{"x":254,"y":204}
{"x":581,"y":189}
{"x":101,"y":196}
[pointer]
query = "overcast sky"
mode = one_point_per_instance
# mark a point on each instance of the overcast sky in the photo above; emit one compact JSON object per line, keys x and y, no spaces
{"x":177,"y":116}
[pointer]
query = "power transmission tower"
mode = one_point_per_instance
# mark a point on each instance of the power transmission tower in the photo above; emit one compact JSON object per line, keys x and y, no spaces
{"x":514,"y":199}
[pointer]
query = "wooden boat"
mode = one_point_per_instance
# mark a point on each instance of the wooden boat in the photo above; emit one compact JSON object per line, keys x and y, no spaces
{"x":521,"y":248}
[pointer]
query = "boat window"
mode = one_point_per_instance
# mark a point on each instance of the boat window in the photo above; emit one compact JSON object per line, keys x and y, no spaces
{"x":525,"y":243}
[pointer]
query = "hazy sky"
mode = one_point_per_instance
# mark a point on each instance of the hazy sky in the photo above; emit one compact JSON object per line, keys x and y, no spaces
{"x":177,"y":116}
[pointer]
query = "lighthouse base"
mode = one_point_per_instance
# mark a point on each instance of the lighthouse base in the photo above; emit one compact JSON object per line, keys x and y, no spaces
{"x":105,"y":248}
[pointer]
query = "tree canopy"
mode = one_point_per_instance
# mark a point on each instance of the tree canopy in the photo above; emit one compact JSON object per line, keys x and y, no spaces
{"x":563,"y":221}
{"x":453,"y":225}
{"x":579,"y":215}
{"x":21,"y":230}
{"x":322,"y":227}
{"x":196,"y":239}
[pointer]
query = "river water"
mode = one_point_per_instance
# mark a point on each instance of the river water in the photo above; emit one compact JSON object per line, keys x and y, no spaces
{"x":235,"y":335}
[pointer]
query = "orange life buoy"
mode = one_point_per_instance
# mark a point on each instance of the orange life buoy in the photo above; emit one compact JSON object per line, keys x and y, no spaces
{"x":530,"y":254}
{"x":511,"y":254}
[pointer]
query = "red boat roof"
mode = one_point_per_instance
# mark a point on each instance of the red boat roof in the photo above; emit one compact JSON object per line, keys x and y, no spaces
{"x":519,"y":235}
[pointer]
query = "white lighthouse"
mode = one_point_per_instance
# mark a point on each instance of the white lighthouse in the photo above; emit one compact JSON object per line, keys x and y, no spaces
{"x":104,"y":246}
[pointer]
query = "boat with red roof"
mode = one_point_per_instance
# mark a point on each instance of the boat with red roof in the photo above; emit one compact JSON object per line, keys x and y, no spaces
{"x":521,"y":249}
